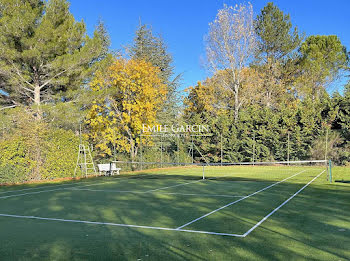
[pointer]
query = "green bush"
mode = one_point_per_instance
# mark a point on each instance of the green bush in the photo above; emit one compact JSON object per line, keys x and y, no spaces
{"x":60,"y":155}
{"x":50,"y":155}
{"x":15,"y":165}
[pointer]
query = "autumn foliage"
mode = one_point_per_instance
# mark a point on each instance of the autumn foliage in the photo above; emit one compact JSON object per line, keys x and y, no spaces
{"x":128,"y":94}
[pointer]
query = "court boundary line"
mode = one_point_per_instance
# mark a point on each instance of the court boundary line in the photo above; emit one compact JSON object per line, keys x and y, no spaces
{"x":178,"y":229}
{"x":177,"y":185}
{"x":119,"y":225}
{"x":281,"y":205}
{"x":43,"y":186}
{"x":50,"y":190}
{"x":238,"y":200}
{"x":81,"y":186}
{"x":162,"y":193}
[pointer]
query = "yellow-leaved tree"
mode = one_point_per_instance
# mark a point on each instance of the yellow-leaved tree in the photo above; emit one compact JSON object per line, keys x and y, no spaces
{"x":128,"y":94}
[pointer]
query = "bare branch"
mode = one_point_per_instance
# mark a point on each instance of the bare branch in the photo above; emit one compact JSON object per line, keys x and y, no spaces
{"x":230,"y":44}
{"x":23,"y":79}
{"x":8,"y":107}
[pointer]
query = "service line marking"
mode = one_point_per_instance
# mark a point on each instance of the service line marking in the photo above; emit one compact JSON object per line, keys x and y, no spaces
{"x":162,"y":193}
{"x":180,"y":229}
{"x":238,"y":200}
{"x":285,"y":202}
{"x":173,"y":186}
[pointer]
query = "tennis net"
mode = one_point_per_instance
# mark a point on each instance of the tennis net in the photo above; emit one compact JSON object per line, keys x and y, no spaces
{"x":226,"y":171}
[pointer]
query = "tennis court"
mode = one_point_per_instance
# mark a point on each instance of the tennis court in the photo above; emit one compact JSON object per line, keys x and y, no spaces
{"x":230,"y":200}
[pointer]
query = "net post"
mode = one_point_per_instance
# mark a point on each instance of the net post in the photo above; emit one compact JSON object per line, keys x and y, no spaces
{"x":330,"y":171}
{"x":203,"y":177}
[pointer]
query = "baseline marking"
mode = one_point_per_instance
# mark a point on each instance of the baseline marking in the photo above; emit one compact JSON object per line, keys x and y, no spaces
{"x":119,"y":225}
{"x":285,"y":202}
{"x":176,"y":229}
{"x":165,"y":193}
{"x":238,"y":200}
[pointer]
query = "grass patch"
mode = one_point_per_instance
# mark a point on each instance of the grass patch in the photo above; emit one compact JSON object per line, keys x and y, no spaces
{"x":313,"y":225}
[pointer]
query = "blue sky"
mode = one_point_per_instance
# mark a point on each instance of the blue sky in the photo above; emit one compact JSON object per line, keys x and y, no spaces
{"x":183,"y":24}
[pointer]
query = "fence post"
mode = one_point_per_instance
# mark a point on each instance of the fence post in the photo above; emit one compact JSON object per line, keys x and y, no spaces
{"x":253,"y":148}
{"x":288,"y":148}
{"x":141,"y":151}
{"x":161,"y":151}
{"x":192,"y":148}
{"x":330,"y":170}
{"x":221,"y":152}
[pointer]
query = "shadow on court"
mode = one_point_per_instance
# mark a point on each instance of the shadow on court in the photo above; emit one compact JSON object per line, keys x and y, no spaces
{"x":315,"y":225}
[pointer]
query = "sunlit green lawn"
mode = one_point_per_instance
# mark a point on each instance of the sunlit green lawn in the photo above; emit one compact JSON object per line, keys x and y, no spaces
{"x":314,"y":225}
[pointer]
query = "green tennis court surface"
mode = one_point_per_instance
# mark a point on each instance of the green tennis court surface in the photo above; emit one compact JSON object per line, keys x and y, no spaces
{"x":173,"y":213}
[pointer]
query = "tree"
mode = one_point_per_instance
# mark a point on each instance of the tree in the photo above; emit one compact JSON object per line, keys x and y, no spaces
{"x":341,"y":103}
{"x":43,"y":50}
{"x":230,"y":44}
{"x":205,"y":105}
{"x":276,"y":37}
{"x":146,"y":46}
{"x":322,"y":59}
{"x":129,"y":94}
{"x":276,"y":41}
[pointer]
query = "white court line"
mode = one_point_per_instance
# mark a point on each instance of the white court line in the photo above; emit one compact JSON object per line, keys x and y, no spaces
{"x":165,"y":193}
{"x":183,"y":184}
{"x":174,"y":229}
{"x":204,"y":195}
{"x":236,"y":201}
{"x":285,"y":202}
{"x":31,"y":193}
{"x":40,"y":187}
{"x":119,"y":225}
{"x":113,"y":181}
{"x":177,"y":185}
{"x":49,"y":190}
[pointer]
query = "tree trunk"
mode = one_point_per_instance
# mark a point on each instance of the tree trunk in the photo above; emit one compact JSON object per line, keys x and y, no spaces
{"x":37,"y":100}
{"x":236,"y":88}
{"x":133,"y":154}
{"x":37,"y":95}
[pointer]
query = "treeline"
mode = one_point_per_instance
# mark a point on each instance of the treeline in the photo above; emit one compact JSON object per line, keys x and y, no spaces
{"x":268,"y":91}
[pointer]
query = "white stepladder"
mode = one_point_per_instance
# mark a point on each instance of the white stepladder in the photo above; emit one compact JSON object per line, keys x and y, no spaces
{"x":85,"y":162}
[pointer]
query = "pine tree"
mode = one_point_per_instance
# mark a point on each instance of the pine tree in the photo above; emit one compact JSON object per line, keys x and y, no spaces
{"x":151,"y":48}
{"x":43,"y":50}
{"x":276,"y":36}
{"x":322,"y":59}
{"x":277,"y":41}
